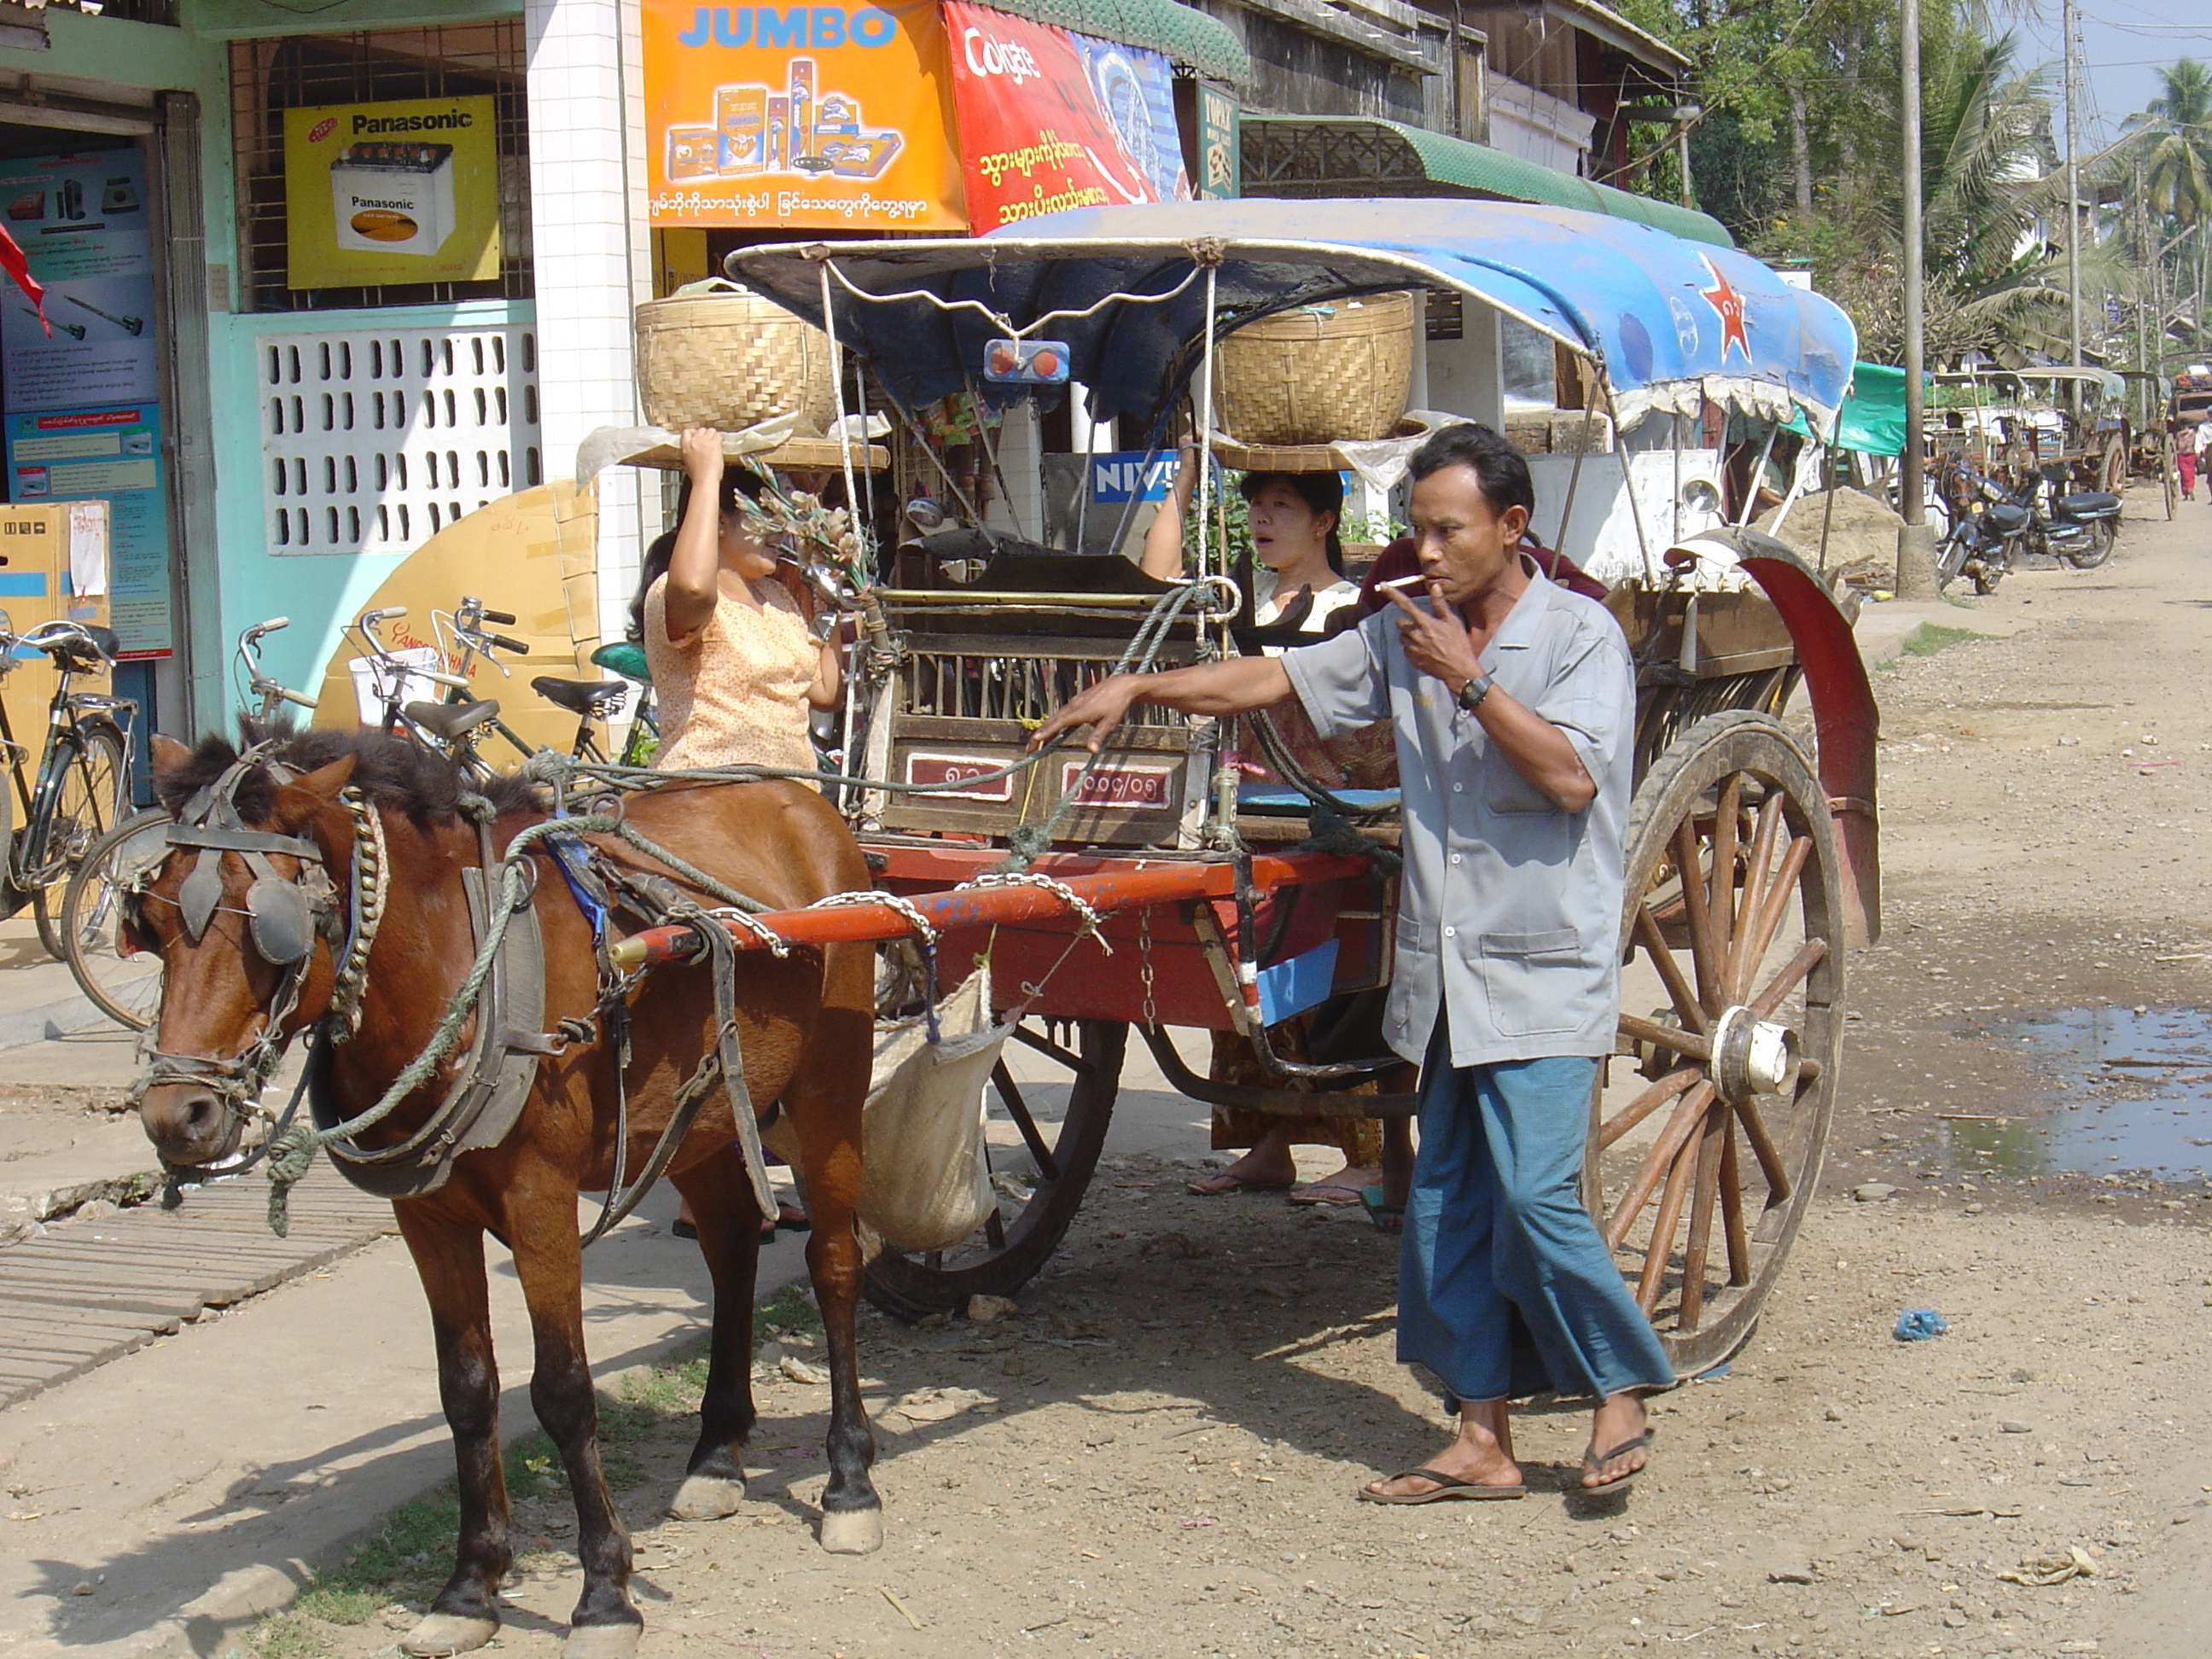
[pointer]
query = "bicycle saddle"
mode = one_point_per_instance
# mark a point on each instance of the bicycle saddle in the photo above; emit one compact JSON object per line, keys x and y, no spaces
{"x":68,"y":649}
{"x":577,"y":697}
{"x":625,"y":658}
{"x":451,"y":721}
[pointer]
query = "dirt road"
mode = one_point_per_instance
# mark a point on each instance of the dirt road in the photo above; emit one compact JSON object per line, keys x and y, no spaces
{"x":1156,"y":1456}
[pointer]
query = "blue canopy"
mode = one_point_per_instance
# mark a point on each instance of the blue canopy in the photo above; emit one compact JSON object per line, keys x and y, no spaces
{"x":1672,"y":322}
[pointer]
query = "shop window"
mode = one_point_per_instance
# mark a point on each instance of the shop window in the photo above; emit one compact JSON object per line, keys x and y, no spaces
{"x":162,"y":12}
{"x":373,"y":440}
{"x":464,"y":61}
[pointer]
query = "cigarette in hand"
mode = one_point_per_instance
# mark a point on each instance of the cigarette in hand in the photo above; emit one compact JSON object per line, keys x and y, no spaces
{"x":1415,"y":581}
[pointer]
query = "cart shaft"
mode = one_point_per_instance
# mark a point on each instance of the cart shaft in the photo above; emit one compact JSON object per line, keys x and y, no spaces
{"x":1127,"y":884}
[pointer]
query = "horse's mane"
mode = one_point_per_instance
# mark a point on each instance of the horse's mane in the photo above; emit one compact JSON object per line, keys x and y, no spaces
{"x":396,"y":773}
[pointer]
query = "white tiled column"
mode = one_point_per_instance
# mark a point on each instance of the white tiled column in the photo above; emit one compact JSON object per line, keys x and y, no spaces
{"x":586,"y":256}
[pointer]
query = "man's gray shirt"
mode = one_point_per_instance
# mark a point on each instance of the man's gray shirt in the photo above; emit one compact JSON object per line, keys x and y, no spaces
{"x":1508,"y":907}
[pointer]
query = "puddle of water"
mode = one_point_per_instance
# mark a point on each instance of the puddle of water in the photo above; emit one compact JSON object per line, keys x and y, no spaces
{"x":2130,"y":1090}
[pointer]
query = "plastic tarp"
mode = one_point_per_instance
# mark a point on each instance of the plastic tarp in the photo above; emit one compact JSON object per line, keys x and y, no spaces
{"x":1872,"y":419}
{"x":1674,"y":322}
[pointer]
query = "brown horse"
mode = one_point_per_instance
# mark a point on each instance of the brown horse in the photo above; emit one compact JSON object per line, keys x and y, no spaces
{"x":805,"y":1024}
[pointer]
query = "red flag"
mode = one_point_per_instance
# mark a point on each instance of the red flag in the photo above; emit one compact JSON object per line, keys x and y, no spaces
{"x":13,"y":262}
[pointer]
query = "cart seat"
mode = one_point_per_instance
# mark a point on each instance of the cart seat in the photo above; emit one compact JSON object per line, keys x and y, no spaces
{"x":2005,"y":517}
{"x":452,"y":721}
{"x":2085,"y":501}
{"x":578,"y":696}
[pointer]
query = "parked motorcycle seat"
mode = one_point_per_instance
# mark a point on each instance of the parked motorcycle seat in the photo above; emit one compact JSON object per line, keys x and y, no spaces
{"x":2087,"y":503}
{"x":2005,"y":517}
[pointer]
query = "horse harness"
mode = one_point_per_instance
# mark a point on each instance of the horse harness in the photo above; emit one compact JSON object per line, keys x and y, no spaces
{"x":481,"y":1106}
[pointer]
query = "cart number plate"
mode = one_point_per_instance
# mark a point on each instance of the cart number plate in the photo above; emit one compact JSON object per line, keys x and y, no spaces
{"x":958,"y":769}
{"x":1138,"y":788}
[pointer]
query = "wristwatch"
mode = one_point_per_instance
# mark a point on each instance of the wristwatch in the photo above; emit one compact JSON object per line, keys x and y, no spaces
{"x":1472,"y":694}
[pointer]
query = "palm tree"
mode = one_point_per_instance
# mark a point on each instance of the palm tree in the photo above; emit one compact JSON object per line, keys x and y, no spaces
{"x":2172,"y":145}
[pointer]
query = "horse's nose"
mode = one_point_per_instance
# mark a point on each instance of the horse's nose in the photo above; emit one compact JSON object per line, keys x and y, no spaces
{"x":187,"y":1123}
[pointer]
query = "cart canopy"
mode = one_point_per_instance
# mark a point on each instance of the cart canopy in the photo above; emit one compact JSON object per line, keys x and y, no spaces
{"x":1672,"y":323}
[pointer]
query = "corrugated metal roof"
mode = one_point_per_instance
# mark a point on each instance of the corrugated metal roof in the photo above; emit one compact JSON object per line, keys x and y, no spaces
{"x":1184,"y":34}
{"x":1340,"y":155}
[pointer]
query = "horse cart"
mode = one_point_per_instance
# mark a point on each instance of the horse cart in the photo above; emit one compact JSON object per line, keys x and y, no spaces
{"x":1160,"y":886}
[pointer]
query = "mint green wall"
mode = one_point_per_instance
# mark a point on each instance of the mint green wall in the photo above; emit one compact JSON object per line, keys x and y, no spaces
{"x":320,"y":592}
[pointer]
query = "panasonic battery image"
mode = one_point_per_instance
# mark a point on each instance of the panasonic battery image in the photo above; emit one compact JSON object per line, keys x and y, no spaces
{"x":392,"y":198}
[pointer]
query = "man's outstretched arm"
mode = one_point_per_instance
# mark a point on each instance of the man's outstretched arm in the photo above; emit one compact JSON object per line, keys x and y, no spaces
{"x":1234,"y":687}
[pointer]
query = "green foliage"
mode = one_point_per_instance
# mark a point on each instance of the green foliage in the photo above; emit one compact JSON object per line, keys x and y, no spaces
{"x":1929,"y":638}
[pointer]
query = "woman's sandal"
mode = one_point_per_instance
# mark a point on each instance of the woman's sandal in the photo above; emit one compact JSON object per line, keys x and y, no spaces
{"x":1447,"y":1485}
{"x":1221,"y":1183}
{"x":1387,"y":1217}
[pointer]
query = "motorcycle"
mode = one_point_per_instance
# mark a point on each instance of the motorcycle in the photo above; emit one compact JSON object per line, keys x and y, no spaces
{"x":2080,"y":527}
{"x":1986,"y":525}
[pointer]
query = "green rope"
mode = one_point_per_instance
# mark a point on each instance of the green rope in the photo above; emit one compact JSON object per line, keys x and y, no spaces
{"x":292,"y":1150}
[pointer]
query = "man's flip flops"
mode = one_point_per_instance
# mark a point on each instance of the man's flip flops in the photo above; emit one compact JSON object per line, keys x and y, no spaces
{"x":1447,"y":1485}
{"x":1592,"y":1463}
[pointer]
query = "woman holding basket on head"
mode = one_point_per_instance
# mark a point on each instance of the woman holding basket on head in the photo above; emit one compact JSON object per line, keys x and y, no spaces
{"x":735,"y":664}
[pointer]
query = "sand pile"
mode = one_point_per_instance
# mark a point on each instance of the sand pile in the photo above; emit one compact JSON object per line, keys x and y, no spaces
{"x":1861,"y":535}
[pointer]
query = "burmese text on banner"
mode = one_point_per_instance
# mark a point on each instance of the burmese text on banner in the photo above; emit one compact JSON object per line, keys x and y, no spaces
{"x":1051,"y":120}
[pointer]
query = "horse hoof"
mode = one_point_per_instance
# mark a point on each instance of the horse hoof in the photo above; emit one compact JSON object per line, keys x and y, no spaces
{"x":853,"y":1532}
{"x":441,"y":1634}
{"x":706,"y":1497}
{"x":602,"y":1641}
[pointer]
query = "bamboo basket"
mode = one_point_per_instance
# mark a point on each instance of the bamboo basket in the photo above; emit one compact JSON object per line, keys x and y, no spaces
{"x":730,"y":358}
{"x":1339,"y":372}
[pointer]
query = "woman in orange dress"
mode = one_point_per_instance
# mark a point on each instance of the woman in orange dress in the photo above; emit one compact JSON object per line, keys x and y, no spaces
{"x":735,"y":667}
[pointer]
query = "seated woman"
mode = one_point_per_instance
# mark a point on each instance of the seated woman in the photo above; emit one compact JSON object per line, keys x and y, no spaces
{"x":1300,"y":563}
{"x":1292,"y":517}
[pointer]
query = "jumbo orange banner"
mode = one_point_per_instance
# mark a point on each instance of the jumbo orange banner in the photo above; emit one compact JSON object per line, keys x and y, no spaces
{"x":800,"y":117}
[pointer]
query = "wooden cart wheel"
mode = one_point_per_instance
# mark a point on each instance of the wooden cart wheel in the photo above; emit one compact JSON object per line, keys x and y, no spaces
{"x":2115,"y":464}
{"x":1005,"y":1253}
{"x":1702,"y":1159}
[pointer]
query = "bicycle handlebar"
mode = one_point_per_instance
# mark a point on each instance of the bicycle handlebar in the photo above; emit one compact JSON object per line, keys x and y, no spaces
{"x":497,"y":618}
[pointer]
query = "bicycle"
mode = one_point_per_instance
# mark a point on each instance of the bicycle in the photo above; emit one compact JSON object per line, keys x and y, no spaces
{"x":80,"y":786}
{"x":122,"y":980}
{"x":458,"y":720}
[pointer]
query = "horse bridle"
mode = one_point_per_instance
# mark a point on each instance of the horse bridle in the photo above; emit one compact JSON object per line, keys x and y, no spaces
{"x":285,"y":915}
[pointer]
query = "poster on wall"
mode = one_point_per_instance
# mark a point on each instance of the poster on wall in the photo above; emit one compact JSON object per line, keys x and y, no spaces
{"x":82,"y":403}
{"x":817,"y":117}
{"x":113,"y":454}
{"x":405,"y":191}
{"x":1051,"y":120}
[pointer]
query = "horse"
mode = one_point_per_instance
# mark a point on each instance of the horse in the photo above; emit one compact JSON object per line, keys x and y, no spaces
{"x":294,"y":823}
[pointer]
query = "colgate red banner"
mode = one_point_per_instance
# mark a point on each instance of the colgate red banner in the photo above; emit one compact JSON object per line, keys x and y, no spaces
{"x":1050,"y":120}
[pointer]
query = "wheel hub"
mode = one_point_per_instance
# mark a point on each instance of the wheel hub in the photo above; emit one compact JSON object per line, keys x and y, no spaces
{"x":1753,"y":1056}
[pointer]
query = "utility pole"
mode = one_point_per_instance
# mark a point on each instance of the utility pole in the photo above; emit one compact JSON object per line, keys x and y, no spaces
{"x":1916,"y":540}
{"x":2073,"y":191}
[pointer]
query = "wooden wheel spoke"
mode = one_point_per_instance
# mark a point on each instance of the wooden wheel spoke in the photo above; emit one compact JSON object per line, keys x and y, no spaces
{"x":1763,"y":1148}
{"x":1656,"y":1254}
{"x":1725,"y":848}
{"x":1698,"y":912}
{"x":1694,"y":1044}
{"x":1643,"y":1105}
{"x":1654,"y":941}
{"x":1755,"y":940}
{"x":1758,"y":875}
{"x":1732,"y":1224}
{"x":1017,"y":1109}
{"x":1702,"y":1192}
{"x":1672,"y":1140}
{"x":1808,"y":957}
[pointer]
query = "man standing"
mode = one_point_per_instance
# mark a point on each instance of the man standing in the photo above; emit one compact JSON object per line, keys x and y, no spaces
{"x":1514,"y":706}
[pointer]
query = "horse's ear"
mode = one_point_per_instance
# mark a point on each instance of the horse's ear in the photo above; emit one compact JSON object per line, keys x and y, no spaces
{"x":305,"y":796}
{"x":168,"y":753}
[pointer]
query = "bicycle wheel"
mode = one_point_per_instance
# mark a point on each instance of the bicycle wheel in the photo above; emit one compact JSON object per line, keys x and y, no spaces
{"x":127,"y":989}
{"x":82,"y":797}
